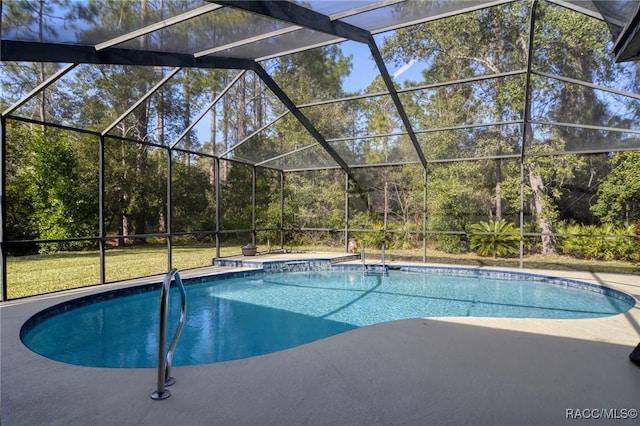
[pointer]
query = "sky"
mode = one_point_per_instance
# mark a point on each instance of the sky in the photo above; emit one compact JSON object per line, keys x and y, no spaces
{"x":365,"y":70}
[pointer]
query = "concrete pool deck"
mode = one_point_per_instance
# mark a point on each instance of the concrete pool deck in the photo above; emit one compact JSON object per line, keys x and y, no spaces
{"x":481,"y":371}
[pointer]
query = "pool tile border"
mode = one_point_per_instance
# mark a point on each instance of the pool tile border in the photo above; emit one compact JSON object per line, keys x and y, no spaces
{"x":527,"y":276}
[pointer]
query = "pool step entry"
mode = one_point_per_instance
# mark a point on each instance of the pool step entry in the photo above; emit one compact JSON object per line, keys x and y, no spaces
{"x":165,"y":359}
{"x":375,"y":268}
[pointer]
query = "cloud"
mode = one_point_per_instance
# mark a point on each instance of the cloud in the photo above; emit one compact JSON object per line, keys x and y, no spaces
{"x":404,"y":68}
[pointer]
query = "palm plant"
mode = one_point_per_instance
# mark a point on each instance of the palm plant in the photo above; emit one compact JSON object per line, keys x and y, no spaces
{"x":497,"y":238}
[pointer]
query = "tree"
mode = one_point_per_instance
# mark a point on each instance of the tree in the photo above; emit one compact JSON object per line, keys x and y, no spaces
{"x":20,"y":208}
{"x":52,"y":174}
{"x":133,"y":176}
{"x":494,"y":40}
{"x":313,"y":200}
{"x":619,"y":193}
{"x":562,"y":103}
{"x":488,"y":41}
{"x":32,"y":20}
{"x":60,"y":212}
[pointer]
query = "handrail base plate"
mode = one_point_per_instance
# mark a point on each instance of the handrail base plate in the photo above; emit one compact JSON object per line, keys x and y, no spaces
{"x":158,"y":396}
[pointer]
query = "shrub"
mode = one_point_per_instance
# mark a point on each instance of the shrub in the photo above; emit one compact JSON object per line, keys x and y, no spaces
{"x":497,"y":238}
{"x":616,"y":243}
{"x":449,"y":243}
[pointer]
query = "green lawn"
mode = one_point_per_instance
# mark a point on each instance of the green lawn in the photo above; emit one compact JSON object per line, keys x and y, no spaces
{"x":45,"y":273}
{"x":39,"y":274}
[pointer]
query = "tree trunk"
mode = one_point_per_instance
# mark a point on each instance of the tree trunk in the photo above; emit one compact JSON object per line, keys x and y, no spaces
{"x":160,"y":111}
{"x":123,"y":198}
{"x":257,"y":104}
{"x":540,"y":209}
{"x":498,"y":201}
{"x":141,"y":207}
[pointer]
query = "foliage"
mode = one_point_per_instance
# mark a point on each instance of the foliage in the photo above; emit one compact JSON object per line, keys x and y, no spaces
{"x":314,"y":199}
{"x":456,"y":195}
{"x":496,"y":238}
{"x":192,"y":199}
{"x":20,"y":209}
{"x":55,"y":191}
{"x":449,"y":243}
{"x":615,"y":243}
{"x":375,"y":235}
{"x":619,"y":193}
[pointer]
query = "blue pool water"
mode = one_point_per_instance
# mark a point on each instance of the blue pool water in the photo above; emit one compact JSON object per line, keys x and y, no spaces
{"x":253,"y":315}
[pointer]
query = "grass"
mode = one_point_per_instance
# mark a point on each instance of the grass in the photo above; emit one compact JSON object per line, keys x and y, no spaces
{"x":46,"y":273}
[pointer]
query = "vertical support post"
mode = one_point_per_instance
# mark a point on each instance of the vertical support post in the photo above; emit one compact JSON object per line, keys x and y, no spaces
{"x":424,"y":216}
{"x":281,"y":209}
{"x":346,"y":213}
{"x":253,"y":205}
{"x":217,"y":183}
{"x":101,"y":208}
{"x":3,"y":207}
{"x":168,"y":229}
{"x":521,"y":263}
{"x":526,"y":121}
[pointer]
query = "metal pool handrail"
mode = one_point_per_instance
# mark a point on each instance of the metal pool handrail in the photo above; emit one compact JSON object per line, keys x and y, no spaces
{"x":164,"y":360}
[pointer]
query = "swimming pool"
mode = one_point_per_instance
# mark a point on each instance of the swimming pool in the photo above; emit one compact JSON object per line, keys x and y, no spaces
{"x":243,"y":316}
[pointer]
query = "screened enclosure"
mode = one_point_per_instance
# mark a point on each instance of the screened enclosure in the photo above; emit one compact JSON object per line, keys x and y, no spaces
{"x":148,"y":134}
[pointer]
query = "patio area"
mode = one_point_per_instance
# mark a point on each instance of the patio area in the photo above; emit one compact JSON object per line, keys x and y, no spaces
{"x":418,"y":371}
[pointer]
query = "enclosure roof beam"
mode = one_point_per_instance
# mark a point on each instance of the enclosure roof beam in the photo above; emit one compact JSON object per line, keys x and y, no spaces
{"x":587,"y":84}
{"x":584,"y":10}
{"x":249,"y":40}
{"x":364,"y":8}
{"x":52,"y":79}
{"x":207,"y":109}
{"x":288,"y":103}
{"x":141,"y":100}
{"x":33,"y":51}
{"x":158,"y":26}
{"x":585,"y":126}
{"x":298,"y":15}
{"x":255,"y":132}
{"x":479,"y":5}
{"x":286,"y":154}
{"x":463,"y":80}
{"x":388,"y":81}
{"x":292,"y":28}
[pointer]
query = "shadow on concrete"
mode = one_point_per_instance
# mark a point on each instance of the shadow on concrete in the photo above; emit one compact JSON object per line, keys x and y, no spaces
{"x":409,"y":372}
